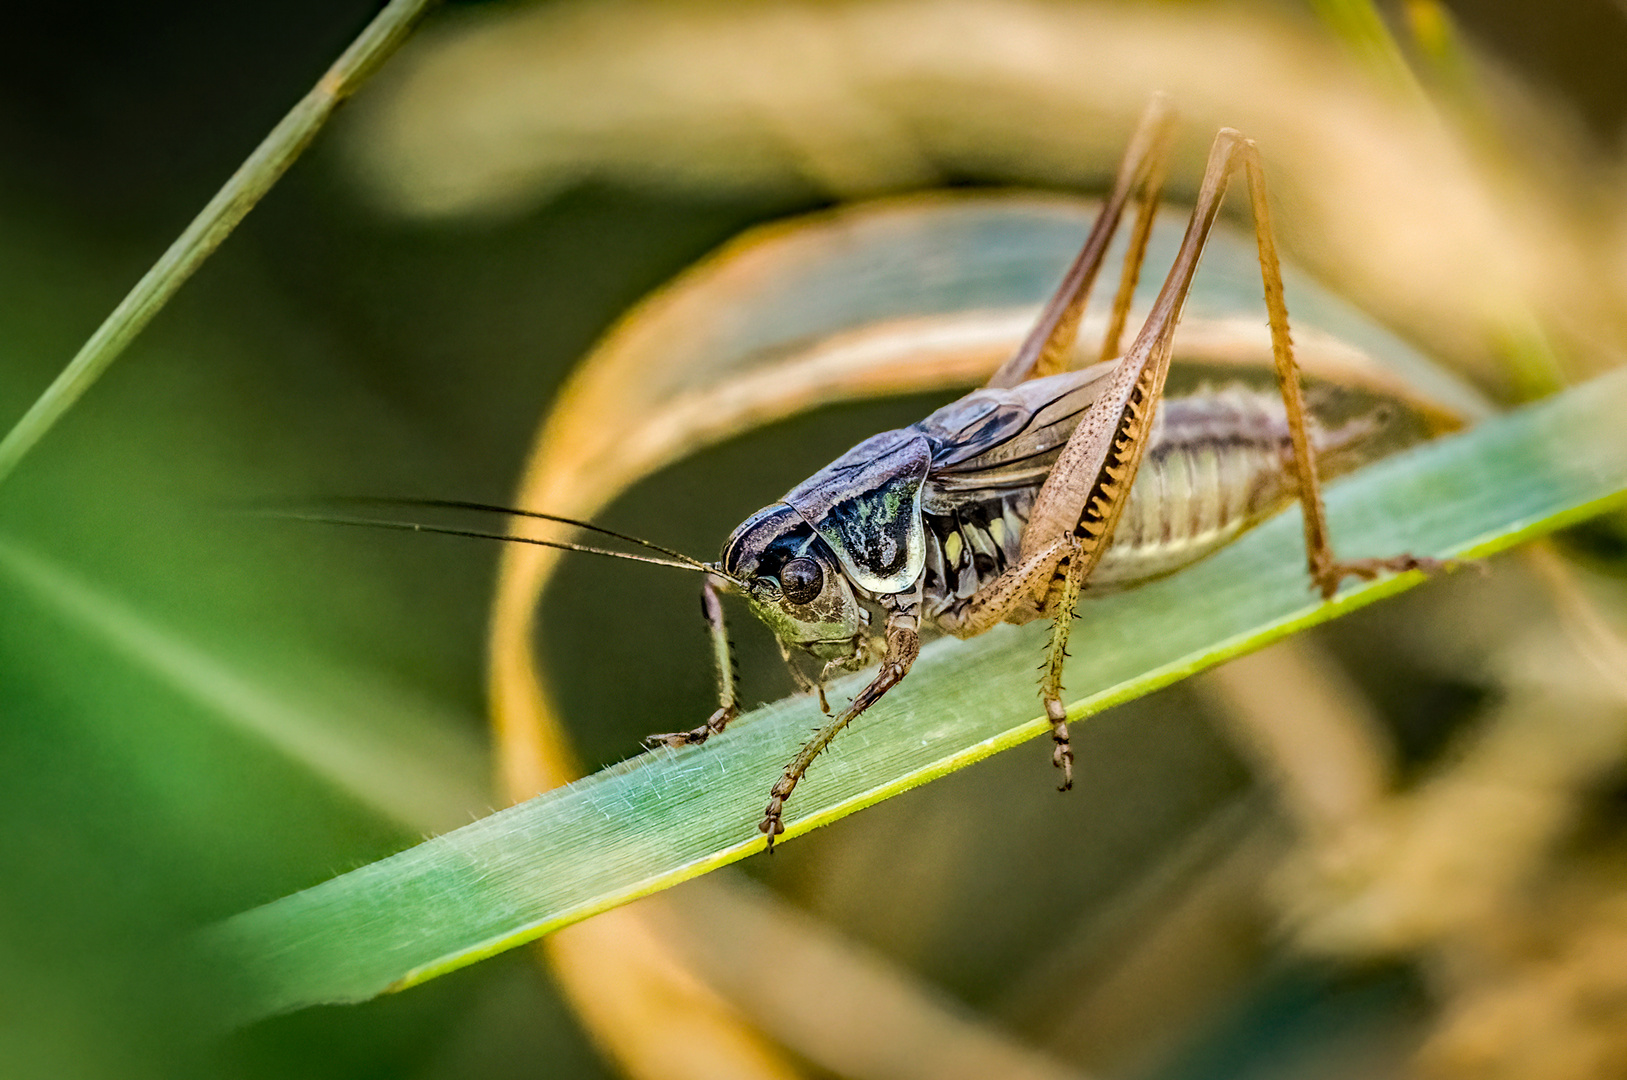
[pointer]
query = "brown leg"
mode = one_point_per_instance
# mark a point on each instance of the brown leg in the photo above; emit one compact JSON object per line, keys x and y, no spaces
{"x":1326,"y":571}
{"x":1045,"y":350}
{"x":1134,"y":257}
{"x":728,"y":676}
{"x":1090,"y":483}
{"x":1088,"y":486}
{"x":903,"y":646}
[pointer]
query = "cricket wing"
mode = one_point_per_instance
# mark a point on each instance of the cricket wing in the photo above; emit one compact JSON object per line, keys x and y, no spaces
{"x":1001,"y":438}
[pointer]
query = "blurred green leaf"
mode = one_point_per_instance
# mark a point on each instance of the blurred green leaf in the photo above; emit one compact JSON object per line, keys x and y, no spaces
{"x":665,"y":817}
{"x":419,"y":772}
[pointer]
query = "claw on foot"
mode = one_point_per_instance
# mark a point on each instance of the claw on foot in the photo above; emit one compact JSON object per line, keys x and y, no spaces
{"x":1062,"y":758}
{"x":694,"y":737}
{"x":771,"y":825}
{"x":676,"y":739}
{"x":1062,"y":752}
{"x":1328,"y":578}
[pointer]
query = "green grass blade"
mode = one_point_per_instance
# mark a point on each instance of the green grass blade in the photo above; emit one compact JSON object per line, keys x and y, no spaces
{"x":668,"y":816}
{"x":214,"y":223}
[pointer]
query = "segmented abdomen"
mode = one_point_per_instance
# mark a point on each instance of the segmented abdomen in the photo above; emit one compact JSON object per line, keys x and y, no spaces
{"x":1190,"y":498}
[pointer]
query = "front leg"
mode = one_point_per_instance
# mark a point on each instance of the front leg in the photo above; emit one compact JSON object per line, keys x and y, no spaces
{"x":728,"y":676}
{"x":903,"y":646}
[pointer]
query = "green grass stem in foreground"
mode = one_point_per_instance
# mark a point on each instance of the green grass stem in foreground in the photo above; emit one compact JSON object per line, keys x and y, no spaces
{"x":214,"y":223}
{"x":667,"y":816}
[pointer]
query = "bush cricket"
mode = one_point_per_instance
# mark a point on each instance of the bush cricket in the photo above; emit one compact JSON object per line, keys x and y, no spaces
{"x":1045,"y":484}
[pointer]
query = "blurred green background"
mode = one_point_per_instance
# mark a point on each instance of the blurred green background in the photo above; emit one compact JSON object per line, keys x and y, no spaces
{"x":201,"y":710}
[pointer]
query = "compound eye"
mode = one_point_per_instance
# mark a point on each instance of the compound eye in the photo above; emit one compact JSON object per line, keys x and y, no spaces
{"x":802,"y":579}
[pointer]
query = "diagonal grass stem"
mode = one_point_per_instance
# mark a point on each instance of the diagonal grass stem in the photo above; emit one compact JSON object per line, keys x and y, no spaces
{"x":214,"y":223}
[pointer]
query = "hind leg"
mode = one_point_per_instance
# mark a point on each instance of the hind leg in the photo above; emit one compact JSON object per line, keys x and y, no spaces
{"x":1088,"y":487}
{"x":1045,"y":350}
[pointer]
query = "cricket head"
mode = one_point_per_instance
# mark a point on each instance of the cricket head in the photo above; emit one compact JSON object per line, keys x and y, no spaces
{"x":793,"y":582}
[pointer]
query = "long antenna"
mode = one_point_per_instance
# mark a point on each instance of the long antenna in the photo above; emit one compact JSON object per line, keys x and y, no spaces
{"x":491,"y":508}
{"x":416,"y":526}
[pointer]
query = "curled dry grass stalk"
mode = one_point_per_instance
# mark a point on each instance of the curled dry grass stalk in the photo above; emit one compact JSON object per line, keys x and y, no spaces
{"x":719,"y":353}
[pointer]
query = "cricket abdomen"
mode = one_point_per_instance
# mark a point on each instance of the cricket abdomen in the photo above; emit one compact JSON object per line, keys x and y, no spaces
{"x":1189,"y":500}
